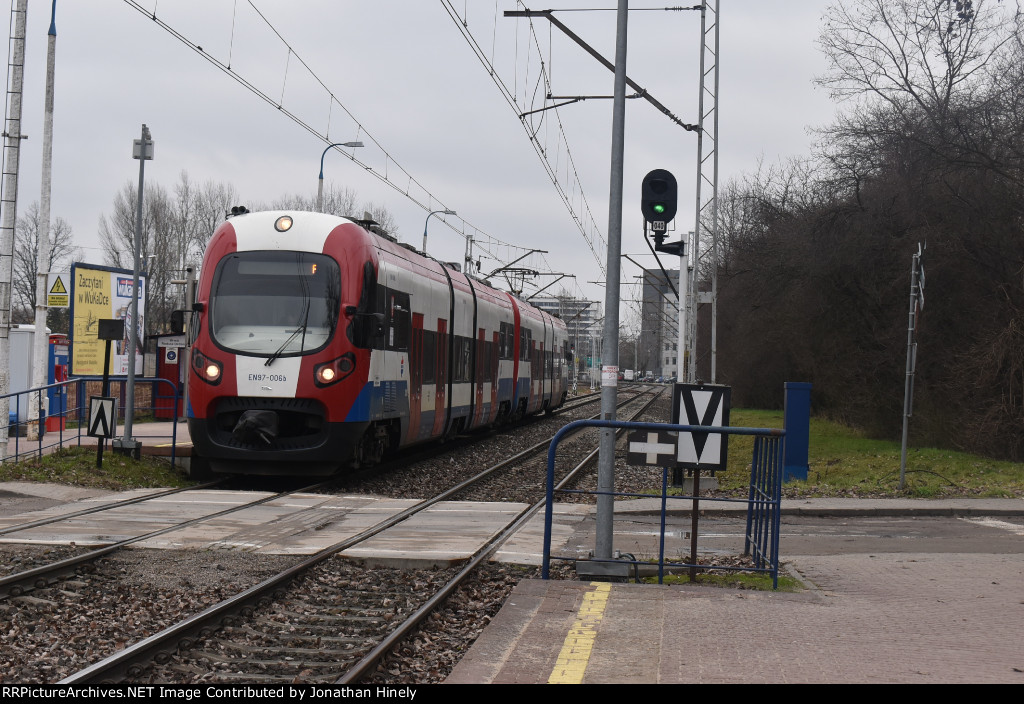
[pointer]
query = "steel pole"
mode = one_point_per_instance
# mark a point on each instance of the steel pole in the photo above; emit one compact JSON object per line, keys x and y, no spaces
{"x":12,"y":149}
{"x":610,"y":352}
{"x":40,"y":340}
{"x":128,"y":443}
{"x":908,"y":384}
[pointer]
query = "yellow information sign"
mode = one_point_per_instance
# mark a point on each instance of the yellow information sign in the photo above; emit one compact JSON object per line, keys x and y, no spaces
{"x":102,"y":293}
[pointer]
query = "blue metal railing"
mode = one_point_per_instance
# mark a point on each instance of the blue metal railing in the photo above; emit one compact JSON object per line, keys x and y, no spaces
{"x":763,"y":500}
{"x":78,"y":413}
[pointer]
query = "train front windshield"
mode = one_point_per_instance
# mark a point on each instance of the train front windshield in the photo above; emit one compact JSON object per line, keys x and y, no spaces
{"x":275,"y":304}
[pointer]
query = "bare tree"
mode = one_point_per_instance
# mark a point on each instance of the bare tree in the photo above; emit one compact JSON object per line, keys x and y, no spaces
{"x":341,"y":202}
{"x":929,"y":149}
{"x":912,"y":53}
{"x":175,"y":230}
{"x":383,"y":217}
{"x":26,"y":236}
{"x":212,"y":201}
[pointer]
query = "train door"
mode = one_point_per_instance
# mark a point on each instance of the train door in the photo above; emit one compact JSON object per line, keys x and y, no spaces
{"x":545,"y":376}
{"x":526,"y":364}
{"x":512,"y":347}
{"x":479,"y":377}
{"x":415,"y":377}
{"x":441,"y":376}
{"x":494,"y":357}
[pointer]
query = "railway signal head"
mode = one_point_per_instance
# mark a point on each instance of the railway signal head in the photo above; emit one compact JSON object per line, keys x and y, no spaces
{"x":658,"y":200}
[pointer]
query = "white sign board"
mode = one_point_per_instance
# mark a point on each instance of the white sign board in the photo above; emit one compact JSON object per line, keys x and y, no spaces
{"x":171,"y":341}
{"x":102,"y":417}
{"x":705,"y":405}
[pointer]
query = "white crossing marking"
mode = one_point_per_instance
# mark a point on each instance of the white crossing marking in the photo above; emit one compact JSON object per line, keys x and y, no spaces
{"x":652,"y":448}
{"x":996,"y":523}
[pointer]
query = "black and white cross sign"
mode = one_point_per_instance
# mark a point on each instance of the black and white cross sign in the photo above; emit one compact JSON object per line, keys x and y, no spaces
{"x":707,"y":405}
{"x":102,"y":417}
{"x":657,"y":448}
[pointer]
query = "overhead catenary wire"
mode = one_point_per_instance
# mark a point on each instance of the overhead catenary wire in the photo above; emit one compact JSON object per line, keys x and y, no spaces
{"x":402,"y":182}
{"x":585,"y":223}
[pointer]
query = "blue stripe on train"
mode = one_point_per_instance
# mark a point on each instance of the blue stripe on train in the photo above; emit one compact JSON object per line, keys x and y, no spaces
{"x":389,"y":399}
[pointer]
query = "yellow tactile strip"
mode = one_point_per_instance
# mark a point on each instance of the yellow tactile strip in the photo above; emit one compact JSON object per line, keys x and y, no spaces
{"x":579,"y":642}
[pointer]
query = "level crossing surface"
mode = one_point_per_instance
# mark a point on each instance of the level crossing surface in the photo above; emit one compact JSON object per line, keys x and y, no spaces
{"x":892,"y":617}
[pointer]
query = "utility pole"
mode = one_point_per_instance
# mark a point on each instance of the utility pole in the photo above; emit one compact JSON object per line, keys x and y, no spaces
{"x":143,"y":151}
{"x":9,"y":200}
{"x":40,"y":340}
{"x":610,"y":353}
{"x":916,"y":306}
{"x":706,"y":193}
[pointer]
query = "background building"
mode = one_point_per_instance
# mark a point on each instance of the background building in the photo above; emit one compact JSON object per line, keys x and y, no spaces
{"x":584,"y":321}
{"x":659,"y":323}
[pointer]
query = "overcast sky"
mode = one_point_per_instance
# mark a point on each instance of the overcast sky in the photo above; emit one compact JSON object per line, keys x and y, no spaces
{"x":406,"y":73}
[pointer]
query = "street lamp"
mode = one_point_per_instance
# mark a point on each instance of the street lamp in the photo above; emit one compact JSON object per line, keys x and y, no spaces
{"x":143,"y":151}
{"x":320,"y":185}
{"x":434,"y":212}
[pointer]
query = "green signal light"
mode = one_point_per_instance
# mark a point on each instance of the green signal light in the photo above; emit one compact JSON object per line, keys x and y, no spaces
{"x":659,"y":208}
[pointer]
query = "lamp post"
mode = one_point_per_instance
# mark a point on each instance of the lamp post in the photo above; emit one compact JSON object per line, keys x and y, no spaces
{"x":320,"y":184}
{"x":143,"y":151}
{"x":433,"y":212}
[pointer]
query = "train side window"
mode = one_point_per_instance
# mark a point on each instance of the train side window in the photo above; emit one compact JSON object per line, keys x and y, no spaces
{"x":525,"y":343}
{"x":462,"y":357}
{"x":505,"y":341}
{"x":489,"y":366}
{"x":429,"y":356}
{"x":367,"y":327}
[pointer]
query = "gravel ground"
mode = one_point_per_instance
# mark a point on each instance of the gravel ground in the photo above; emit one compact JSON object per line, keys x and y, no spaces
{"x":50,"y":633}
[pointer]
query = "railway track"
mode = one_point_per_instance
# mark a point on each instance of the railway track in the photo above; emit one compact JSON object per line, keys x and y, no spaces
{"x":282,"y":630}
{"x":43,"y":575}
{"x":18,"y":582}
{"x":283,"y":626}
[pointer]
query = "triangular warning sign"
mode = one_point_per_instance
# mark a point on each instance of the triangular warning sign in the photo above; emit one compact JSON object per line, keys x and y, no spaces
{"x":58,"y":287}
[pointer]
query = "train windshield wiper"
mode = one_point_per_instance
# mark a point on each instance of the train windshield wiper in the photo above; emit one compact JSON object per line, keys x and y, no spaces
{"x":302,"y":326}
{"x":296,"y":331}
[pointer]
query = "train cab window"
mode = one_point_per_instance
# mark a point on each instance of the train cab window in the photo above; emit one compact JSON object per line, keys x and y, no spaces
{"x":275,"y":304}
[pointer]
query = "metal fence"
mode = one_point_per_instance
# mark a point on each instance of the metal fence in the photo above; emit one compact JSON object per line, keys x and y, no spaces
{"x":66,"y":421}
{"x":762,"y":503}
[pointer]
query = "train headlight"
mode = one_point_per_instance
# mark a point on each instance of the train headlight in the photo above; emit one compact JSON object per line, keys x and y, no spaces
{"x":209,"y":370}
{"x":283,"y":223}
{"x":335,"y":370}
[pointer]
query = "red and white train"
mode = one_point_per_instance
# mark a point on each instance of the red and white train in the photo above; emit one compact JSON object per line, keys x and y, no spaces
{"x":318,"y":344}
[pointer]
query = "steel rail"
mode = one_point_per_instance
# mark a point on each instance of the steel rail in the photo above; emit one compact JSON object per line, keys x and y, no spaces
{"x":370,"y":660}
{"x":129,"y":660}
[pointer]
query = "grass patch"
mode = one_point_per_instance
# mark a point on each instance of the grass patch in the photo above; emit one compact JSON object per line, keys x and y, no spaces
{"x":77,"y":466}
{"x":842,"y":462}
